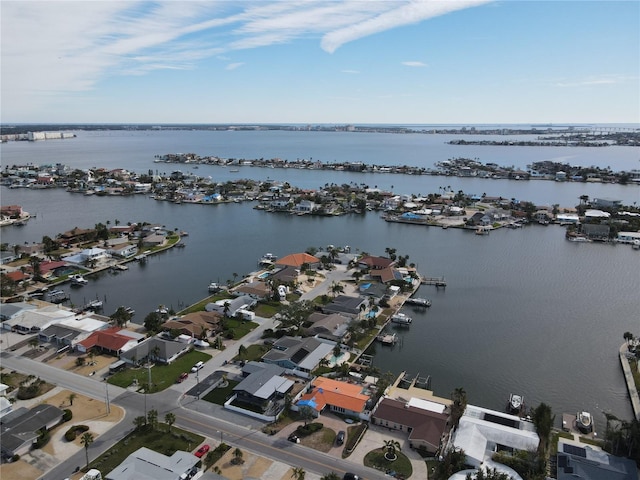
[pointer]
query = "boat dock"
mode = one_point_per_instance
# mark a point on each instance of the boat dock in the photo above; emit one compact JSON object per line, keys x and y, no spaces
{"x":628,"y":376}
{"x":437,"y":281}
{"x":387,"y":339}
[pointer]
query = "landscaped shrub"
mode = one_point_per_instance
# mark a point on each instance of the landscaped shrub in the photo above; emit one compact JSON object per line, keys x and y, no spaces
{"x":67,"y":415}
{"x":42,"y":439}
{"x":304,"y":430}
{"x":71,"y":434}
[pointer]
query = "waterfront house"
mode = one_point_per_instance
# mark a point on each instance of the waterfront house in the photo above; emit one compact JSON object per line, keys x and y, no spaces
{"x":424,"y":421}
{"x":305,"y":206}
{"x":154,"y":240}
{"x":587,"y":462}
{"x":480,"y":219}
{"x":11,"y":310}
{"x":95,"y":255}
{"x":298,"y":355}
{"x":330,"y":326}
{"x":297,"y":260}
{"x":628,"y":237}
{"x":608,"y":203}
{"x":339,"y":397}
{"x":20,"y":428}
{"x":145,"y":463}
{"x":195,"y":324}
{"x":33,"y":321}
{"x":374,"y":263}
{"x":231,"y":306}
{"x":70,"y":331}
{"x":480,"y":431}
{"x":345,"y":305}
{"x":595,"y":231}
{"x":257,"y":290}
{"x":113,"y":341}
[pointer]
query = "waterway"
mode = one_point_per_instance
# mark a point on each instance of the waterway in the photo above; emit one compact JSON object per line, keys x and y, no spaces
{"x":524,"y":311}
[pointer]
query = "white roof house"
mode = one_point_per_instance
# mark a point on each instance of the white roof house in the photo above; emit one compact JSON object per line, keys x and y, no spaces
{"x":145,"y":464}
{"x":481,"y":430}
{"x":31,"y":321}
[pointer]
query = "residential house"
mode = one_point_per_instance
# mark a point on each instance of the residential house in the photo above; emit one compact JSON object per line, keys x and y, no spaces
{"x":5,"y":405}
{"x":480,"y":219}
{"x":11,"y":310}
{"x":146,"y":464}
{"x":345,"y":305}
{"x":608,"y":203}
{"x":298,"y":355}
{"x":231,"y":306}
{"x":70,"y":331}
{"x":159,"y":349}
{"x":154,"y":240}
{"x":19,"y":428}
{"x":588,"y":462}
{"x":264,"y":388}
{"x":297,"y":260}
{"x":336,"y":396}
{"x":95,"y":255}
{"x":195,"y":324}
{"x":305,"y":206}
{"x":375,"y":263}
{"x":33,"y":321}
{"x":287,"y":274}
{"x":113,"y":341}
{"x":257,"y":290}
{"x":330,"y":326}
{"x":596,"y":232}
{"x":424,"y":421}
{"x":481,"y":431}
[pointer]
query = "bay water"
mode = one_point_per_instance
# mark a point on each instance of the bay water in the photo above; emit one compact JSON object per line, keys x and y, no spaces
{"x":524,"y":311}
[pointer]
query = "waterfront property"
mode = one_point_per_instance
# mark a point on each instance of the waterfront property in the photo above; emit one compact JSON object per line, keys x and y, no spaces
{"x":349,"y":399}
{"x":146,"y":463}
{"x":298,"y":355}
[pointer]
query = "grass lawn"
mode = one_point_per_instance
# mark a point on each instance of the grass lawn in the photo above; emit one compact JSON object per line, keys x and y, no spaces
{"x":162,"y":376}
{"x":322,"y":440}
{"x":254,"y":352}
{"x":157,"y":440}
{"x":375,"y":459}
{"x":220,"y":395}
{"x":239,"y":327}
{"x":267,"y":310}
{"x":199,"y":307}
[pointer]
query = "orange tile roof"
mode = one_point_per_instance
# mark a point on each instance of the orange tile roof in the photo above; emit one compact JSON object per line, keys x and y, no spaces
{"x":327,"y":391}
{"x":109,"y":339}
{"x":297,"y":259}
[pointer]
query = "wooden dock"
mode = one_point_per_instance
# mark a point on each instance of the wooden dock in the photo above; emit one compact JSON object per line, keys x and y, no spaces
{"x":439,"y":282}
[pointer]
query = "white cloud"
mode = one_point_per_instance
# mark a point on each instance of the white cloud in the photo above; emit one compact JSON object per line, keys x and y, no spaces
{"x":233,"y":66}
{"x":414,"y":64}
{"x":612,"y":79}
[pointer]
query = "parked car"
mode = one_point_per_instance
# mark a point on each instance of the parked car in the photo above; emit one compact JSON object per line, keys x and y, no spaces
{"x":197,"y":367}
{"x":351,"y":476}
{"x":293,"y":438}
{"x":340,"y":437}
{"x":182,"y":377}
{"x":202,"y":450}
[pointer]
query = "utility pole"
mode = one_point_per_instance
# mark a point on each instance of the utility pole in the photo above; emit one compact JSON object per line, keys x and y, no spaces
{"x":106,"y":387}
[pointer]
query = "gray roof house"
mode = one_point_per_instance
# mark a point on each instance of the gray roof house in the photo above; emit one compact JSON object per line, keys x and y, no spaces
{"x":298,"y":355}
{"x":10,"y":310}
{"x":145,"y":464}
{"x":234,"y":305}
{"x":591,"y":463}
{"x":263,"y":385}
{"x":331,"y":326}
{"x":19,"y":429}
{"x":168,"y":350}
{"x":345,"y":304}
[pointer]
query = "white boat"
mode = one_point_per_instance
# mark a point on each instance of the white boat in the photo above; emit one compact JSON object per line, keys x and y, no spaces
{"x":268,"y":259}
{"x":516,"y":403}
{"x":401,"y":318}
{"x":420,"y":302}
{"x":94,"y":305}
{"x":78,"y":279}
{"x":214,"y":287}
{"x":584,"y":422}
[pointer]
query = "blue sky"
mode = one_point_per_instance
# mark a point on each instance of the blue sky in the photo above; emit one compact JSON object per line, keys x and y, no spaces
{"x":307,"y":61}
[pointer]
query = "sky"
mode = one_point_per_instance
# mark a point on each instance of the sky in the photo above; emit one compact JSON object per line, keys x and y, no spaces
{"x":320,"y":61}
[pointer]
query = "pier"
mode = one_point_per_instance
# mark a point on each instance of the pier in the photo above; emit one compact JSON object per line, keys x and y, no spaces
{"x":631,"y":385}
{"x":439,"y":282}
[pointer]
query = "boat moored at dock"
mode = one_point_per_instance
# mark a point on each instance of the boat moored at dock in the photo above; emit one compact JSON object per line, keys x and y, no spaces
{"x":401,"y":319}
{"x":78,"y":280}
{"x":515,"y":405}
{"x":584,"y":422}
{"x":418,"y":302}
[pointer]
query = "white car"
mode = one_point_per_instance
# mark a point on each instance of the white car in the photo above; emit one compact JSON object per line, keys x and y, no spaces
{"x":197,"y":367}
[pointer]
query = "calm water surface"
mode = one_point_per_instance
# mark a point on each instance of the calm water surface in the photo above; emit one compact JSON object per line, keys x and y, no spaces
{"x":524,"y":311}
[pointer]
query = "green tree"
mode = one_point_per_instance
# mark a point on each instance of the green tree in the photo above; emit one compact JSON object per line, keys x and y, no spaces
{"x":237,"y":456}
{"x":86,"y":440}
{"x":482,"y":474}
{"x":153,"y":322}
{"x":121,"y":317}
{"x":294,"y":315}
{"x":170,"y":419}
{"x":628,"y":336}
{"x":452,"y":461}
{"x":543,"y":421}
{"x":140,"y":422}
{"x":152,"y":418}
{"x":298,"y":473}
{"x":242,"y":352}
{"x":330,"y":476}
{"x":459,"y":397}
{"x":306,"y":414}
{"x":71,"y":398}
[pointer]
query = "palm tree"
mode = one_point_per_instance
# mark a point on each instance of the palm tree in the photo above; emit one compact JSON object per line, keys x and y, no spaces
{"x":140,"y":422}
{"x":628,"y":336}
{"x":298,"y":473}
{"x":169,"y":419}
{"x":391,"y":447}
{"x":71,"y":398}
{"x":152,"y":418}
{"x":543,"y":421}
{"x":86,"y":440}
{"x":237,"y":455}
{"x":459,"y":397}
